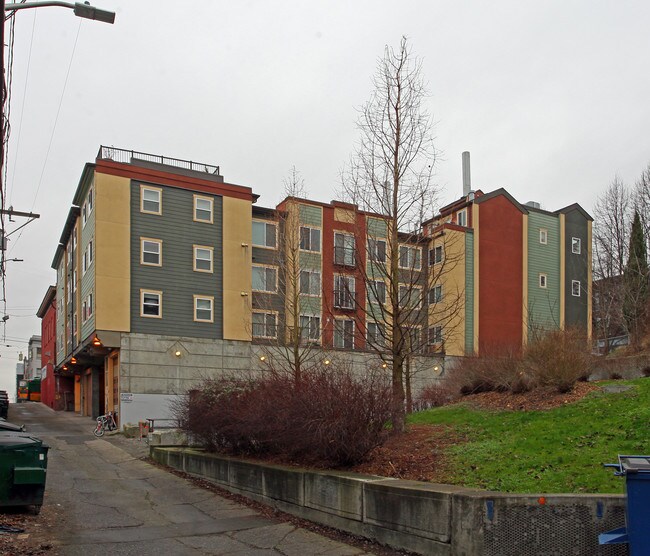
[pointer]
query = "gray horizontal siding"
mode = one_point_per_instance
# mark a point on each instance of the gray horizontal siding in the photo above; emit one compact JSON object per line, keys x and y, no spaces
{"x":176,"y":278}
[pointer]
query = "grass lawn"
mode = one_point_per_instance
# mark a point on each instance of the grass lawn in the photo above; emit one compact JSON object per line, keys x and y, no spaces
{"x":559,"y":450}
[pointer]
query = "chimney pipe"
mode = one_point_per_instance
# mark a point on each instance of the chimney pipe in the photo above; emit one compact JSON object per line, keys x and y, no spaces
{"x":467,"y":180}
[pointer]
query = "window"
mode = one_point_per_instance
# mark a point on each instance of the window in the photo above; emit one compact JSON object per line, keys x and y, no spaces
{"x":74,"y":239}
{"x":410,"y":296}
{"x":90,"y":305}
{"x":310,"y":328}
{"x":88,"y":257}
{"x":150,"y":200}
{"x":375,"y":334}
{"x":74,"y":324}
{"x":575,"y":245}
{"x":543,"y":236}
{"x":74,"y":280}
{"x":203,"y":258}
{"x":150,"y":304}
{"x":203,"y":308}
{"x":265,"y":325}
{"x":575,"y":288}
{"x":84,"y":312}
{"x":344,"y":249}
{"x":435,"y":335}
{"x":376,"y":291}
{"x":150,"y":251}
{"x":344,"y":334}
{"x":203,"y":209}
{"x":435,"y":255}
{"x":377,"y":250}
{"x":461,"y":218}
{"x":344,"y":291}
{"x":410,"y":257}
{"x":265,"y":279}
{"x":435,"y":294}
{"x":264,"y":234}
{"x":310,"y":282}
{"x":309,"y":239}
{"x":90,"y":200}
{"x":84,"y":215}
{"x":543,"y":281}
{"x":87,"y":308}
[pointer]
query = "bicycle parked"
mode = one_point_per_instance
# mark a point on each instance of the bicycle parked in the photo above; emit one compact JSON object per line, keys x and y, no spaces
{"x":105,"y":423}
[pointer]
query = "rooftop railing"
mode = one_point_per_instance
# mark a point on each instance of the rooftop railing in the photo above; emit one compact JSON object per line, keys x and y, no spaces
{"x":127,"y":157}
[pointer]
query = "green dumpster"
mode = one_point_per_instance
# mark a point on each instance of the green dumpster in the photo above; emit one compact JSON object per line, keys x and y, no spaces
{"x":23,"y":468}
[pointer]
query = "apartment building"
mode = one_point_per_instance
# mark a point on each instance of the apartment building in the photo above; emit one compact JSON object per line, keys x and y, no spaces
{"x":167,"y":274}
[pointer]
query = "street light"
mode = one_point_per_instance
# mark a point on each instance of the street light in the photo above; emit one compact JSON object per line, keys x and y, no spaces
{"x":84,"y":9}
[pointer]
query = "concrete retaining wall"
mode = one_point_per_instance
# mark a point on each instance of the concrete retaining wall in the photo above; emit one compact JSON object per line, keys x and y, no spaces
{"x":631,"y":366}
{"x":421,"y":517}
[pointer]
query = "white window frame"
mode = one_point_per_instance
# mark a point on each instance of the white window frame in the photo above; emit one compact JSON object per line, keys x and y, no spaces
{"x":313,"y":275}
{"x":378,"y":338}
{"x":266,"y":314}
{"x":543,"y":280}
{"x":373,"y":290}
{"x":341,"y":334}
{"x":373,"y":250}
{"x":195,"y":258}
{"x":196,"y":208}
{"x":156,"y":190}
{"x":309,"y":338}
{"x":157,"y":242}
{"x":265,"y":268}
{"x":437,"y":337}
{"x":158,"y":293}
{"x":435,"y":259}
{"x":410,"y":288}
{"x":345,"y":294}
{"x":461,"y":215}
{"x":89,"y":300}
{"x":411,"y":258}
{"x":198,"y":298}
{"x":543,"y":236}
{"x":575,"y":241}
{"x":435,"y":294}
{"x":312,"y":230}
{"x":575,"y":283}
{"x":348,"y":247}
{"x":266,"y":224}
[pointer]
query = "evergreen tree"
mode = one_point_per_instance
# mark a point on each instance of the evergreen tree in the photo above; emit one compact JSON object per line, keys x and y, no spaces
{"x":635,"y":302}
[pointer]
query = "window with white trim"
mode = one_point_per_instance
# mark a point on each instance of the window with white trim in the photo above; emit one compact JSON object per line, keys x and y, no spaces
{"x":264,"y":234}
{"x":575,"y":245}
{"x":435,"y":335}
{"x":203,"y":308}
{"x":344,"y":334}
{"x":410,"y":296}
{"x":543,"y":236}
{"x":150,"y":251}
{"x":151,"y":303}
{"x":344,"y":249}
{"x":376,"y":291}
{"x":203,"y":258}
{"x":575,"y":288}
{"x":461,"y":218}
{"x":265,"y":278}
{"x":265,"y":325}
{"x":410,"y":257}
{"x":89,"y":301}
{"x":74,"y":280}
{"x":375,"y":334}
{"x":543,"y":280}
{"x":309,"y":239}
{"x":203,"y":209}
{"x":88,"y":257}
{"x":310,"y":328}
{"x":344,"y":291}
{"x":435,"y":294}
{"x":435,"y":255}
{"x":310,"y":282}
{"x":150,"y":200}
{"x":376,"y":250}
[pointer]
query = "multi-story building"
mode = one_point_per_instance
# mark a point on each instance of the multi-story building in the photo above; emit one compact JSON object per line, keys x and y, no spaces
{"x":33,"y":359}
{"x":47,"y":313}
{"x":167,"y":274}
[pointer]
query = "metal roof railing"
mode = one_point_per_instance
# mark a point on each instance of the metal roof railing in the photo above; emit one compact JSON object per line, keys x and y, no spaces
{"x":127,"y":157}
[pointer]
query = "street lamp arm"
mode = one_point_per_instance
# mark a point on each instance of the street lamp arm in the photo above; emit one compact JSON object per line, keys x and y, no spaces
{"x":84,"y":9}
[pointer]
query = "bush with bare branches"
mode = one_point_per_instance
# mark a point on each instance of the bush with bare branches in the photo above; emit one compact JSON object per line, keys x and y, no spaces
{"x":327,"y":416}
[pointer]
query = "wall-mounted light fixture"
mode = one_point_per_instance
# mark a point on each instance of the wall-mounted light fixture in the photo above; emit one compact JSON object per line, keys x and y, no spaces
{"x":177,"y":353}
{"x":384,"y":365}
{"x":244,"y":294}
{"x":326,"y":362}
{"x":97,"y":342}
{"x":262,"y":357}
{"x":436,"y":368}
{"x":73,"y":360}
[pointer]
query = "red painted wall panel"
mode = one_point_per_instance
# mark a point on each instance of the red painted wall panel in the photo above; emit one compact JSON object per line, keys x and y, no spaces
{"x":48,"y":355}
{"x":500,"y":275}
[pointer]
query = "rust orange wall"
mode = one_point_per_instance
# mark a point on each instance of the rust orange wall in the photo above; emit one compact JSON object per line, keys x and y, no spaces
{"x":501,"y":272}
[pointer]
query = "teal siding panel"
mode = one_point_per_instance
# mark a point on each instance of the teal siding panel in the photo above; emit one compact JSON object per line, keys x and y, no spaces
{"x":311,"y":216}
{"x":377,"y":227}
{"x":176,"y":277}
{"x":310,"y":260}
{"x":88,"y":279}
{"x":310,"y":305}
{"x":469,"y":293}
{"x":543,"y":303}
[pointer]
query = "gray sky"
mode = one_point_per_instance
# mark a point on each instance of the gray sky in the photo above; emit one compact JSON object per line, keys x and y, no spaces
{"x":551,"y":99}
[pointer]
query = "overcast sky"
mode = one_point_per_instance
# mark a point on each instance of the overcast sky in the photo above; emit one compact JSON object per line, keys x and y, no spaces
{"x":551,"y":98}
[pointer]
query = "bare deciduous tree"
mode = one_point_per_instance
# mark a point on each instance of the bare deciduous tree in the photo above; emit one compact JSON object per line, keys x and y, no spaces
{"x":390,"y":174}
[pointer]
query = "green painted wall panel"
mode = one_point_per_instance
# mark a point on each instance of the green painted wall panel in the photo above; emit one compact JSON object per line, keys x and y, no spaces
{"x":310,"y":261}
{"x":310,"y":305}
{"x":543,"y":303}
{"x":377,"y":227}
{"x":87,"y":280}
{"x":311,"y":215}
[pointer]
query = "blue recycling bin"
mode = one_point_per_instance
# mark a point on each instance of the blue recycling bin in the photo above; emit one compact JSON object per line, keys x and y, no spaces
{"x":636,"y":533}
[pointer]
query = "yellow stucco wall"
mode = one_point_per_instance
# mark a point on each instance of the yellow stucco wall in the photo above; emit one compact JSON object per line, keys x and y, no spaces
{"x":112,"y":253}
{"x":450,"y":312}
{"x":237,"y":260}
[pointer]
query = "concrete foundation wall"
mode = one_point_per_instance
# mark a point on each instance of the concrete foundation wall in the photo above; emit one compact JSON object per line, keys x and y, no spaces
{"x":421,"y":517}
{"x":632,"y":366}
